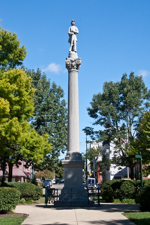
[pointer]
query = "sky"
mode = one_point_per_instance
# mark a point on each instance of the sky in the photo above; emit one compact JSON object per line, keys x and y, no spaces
{"x":113,"y":39}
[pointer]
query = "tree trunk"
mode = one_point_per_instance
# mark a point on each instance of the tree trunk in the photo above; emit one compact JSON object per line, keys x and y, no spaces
{"x":132,"y":173}
{"x":10,"y":171}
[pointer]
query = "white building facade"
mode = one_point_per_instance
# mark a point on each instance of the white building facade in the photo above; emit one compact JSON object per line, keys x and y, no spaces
{"x":114,"y":171}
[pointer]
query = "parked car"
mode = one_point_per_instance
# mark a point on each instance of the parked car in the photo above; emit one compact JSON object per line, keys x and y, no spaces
{"x":54,"y":181}
{"x":57,"y":180}
{"x":47,"y":183}
{"x":62,"y":180}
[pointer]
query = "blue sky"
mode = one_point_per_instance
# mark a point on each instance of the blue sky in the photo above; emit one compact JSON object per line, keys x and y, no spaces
{"x":114,"y":38}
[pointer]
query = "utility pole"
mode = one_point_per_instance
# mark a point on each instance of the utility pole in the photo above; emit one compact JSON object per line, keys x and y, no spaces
{"x":86,"y":159}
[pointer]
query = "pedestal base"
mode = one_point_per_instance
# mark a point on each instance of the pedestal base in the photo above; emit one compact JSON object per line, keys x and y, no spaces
{"x":73,"y":193}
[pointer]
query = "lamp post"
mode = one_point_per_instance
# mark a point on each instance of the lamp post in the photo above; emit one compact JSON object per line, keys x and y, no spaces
{"x":87,"y":131}
{"x":141,"y":174}
{"x":86,"y":159}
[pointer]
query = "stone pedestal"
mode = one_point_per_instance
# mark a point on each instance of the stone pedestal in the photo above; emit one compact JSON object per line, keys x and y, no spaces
{"x":73,"y":193}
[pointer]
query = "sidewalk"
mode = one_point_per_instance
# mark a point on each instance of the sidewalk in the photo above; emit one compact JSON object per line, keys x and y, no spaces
{"x":106,"y":214}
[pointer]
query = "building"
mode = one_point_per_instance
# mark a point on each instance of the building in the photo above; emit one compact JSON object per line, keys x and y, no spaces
{"x":19,"y":174}
{"x":96,"y":169}
{"x":114,"y":171}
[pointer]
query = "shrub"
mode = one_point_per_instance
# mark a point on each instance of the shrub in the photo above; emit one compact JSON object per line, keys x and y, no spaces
{"x":127,"y":190}
{"x":144,"y":198}
{"x":119,"y":189}
{"x":9,"y":198}
{"x":107,"y":194}
{"x":22,"y":201}
{"x":28,"y":191}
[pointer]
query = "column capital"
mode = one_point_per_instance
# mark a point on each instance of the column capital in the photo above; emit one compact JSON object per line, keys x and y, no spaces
{"x":73,"y":64}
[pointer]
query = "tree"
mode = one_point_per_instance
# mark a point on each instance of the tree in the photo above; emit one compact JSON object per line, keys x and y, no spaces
{"x":142,"y":141}
{"x":117,"y":110}
{"x":92,"y":154}
{"x":11,"y":54}
{"x":17,"y":139}
{"x":45,"y":174}
{"x":50,"y":116}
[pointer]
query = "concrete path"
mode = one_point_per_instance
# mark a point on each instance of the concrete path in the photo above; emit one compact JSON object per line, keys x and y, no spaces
{"x":106,"y":214}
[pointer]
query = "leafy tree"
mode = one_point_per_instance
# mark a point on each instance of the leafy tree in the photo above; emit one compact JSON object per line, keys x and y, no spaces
{"x":45,"y":174}
{"x":117,"y":110}
{"x":142,"y":141}
{"x":17,"y":139}
{"x":50,"y":116}
{"x":92,"y":154}
{"x":11,"y":54}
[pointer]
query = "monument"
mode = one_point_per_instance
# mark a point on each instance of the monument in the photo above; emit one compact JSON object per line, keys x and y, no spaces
{"x":73,"y":193}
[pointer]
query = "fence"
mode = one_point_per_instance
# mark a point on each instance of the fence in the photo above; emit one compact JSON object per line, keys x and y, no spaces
{"x":52,"y":195}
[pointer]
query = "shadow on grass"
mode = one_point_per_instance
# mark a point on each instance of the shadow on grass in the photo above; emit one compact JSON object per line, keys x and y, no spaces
{"x":141,"y":221}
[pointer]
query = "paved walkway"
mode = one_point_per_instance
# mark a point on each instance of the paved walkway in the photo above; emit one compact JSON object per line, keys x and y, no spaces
{"x":106,"y":214}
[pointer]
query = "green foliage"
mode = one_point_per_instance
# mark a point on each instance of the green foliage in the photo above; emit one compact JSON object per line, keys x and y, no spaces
{"x":28,"y":191}
{"x":142,"y":142}
{"x":17,"y":139}
{"x":144,"y":197}
{"x":9,"y":198}
{"x":22,"y":201}
{"x":107,"y":194}
{"x":91,"y":154}
{"x":11,"y":54}
{"x":12,"y":220}
{"x":50,"y":116}
{"x":127,"y":190}
{"x":138,"y":216}
{"x":107,"y":191}
{"x":125,"y":200}
{"x":120,"y":189}
{"x":45,"y":174}
{"x":118,"y":110}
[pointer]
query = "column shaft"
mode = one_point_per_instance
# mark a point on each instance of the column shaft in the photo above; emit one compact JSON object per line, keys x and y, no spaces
{"x":73,"y":112}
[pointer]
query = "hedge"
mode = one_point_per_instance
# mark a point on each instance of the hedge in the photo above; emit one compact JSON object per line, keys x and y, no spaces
{"x":28,"y":191}
{"x":9,"y":198}
{"x":144,"y":198}
{"x":121,"y":189}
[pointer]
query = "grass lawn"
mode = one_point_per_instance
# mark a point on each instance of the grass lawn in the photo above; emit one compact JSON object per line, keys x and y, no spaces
{"x":41,"y":200}
{"x":12,"y":220}
{"x":28,"y":202}
{"x":139,"y":218}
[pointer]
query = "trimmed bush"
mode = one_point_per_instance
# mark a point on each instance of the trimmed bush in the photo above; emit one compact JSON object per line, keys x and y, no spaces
{"x":120,"y":189}
{"x":144,"y":198}
{"x":127,"y":190}
{"x":28,"y":191}
{"x":9,"y":198}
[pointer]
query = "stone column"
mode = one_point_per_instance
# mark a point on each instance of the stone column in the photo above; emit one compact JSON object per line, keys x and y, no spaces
{"x":73,"y":66}
{"x":73,"y":193}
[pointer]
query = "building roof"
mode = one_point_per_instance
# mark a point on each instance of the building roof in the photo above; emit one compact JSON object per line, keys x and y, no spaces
{"x":16,"y":173}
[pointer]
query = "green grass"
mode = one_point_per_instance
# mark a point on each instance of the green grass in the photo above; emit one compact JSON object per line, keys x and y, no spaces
{"x":139,"y":218}
{"x":12,"y":220}
{"x":40,"y":201}
{"x":126,"y":200}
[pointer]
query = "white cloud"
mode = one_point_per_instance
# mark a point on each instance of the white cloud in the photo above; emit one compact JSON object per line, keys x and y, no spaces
{"x":144,"y":73}
{"x":53,"y":67}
